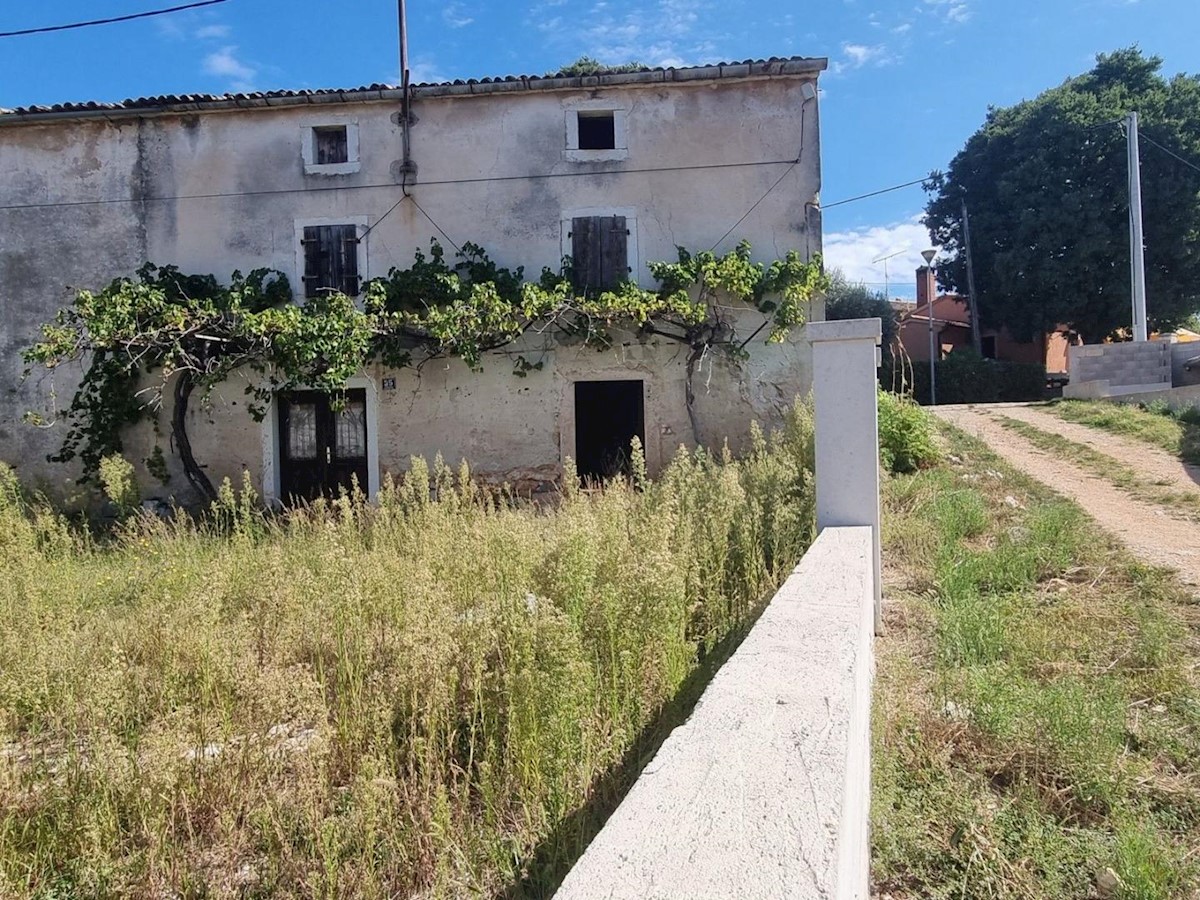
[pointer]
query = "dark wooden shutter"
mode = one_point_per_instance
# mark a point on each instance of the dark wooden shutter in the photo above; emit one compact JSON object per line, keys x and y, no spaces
{"x":599,"y":253}
{"x":315,"y":264}
{"x":585,"y":253}
{"x":346,"y":274}
{"x":614,"y":252}
{"x":332,"y":145}
{"x":330,"y":259}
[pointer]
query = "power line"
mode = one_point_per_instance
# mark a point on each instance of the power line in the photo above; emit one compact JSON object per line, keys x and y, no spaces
{"x":359,"y":187}
{"x":779,"y":181}
{"x":888,"y":190}
{"x":128,"y":18}
{"x":1150,"y":140}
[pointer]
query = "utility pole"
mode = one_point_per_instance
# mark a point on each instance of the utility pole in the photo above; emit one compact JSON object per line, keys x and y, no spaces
{"x":976,"y":338}
{"x":406,"y":168}
{"x":1137,"y":252}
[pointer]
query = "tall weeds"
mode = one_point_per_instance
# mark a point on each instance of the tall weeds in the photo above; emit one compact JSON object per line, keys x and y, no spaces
{"x":405,"y":698}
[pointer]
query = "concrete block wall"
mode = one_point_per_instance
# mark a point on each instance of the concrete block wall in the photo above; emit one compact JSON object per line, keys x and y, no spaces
{"x":1146,"y":362}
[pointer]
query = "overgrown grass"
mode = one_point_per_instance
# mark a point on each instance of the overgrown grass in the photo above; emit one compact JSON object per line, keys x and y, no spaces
{"x":419,"y":698}
{"x":1175,"y":432}
{"x":1037,"y":717}
{"x":1184,"y":502}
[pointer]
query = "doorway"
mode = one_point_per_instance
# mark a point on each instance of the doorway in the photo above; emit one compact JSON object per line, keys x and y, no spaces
{"x":608,"y":416}
{"x":322,"y":449}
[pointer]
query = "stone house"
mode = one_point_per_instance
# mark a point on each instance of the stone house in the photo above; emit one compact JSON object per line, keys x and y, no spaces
{"x":952,"y":330}
{"x":308,"y":182}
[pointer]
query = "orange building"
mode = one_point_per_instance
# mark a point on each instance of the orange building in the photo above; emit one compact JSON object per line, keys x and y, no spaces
{"x":952,"y":329}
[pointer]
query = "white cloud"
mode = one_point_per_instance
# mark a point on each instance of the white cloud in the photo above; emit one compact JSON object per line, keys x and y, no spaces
{"x":224,"y":64}
{"x":855,"y":56}
{"x":455,"y":15}
{"x":954,"y":11}
{"x":855,"y":251}
{"x":662,"y":33}
{"x":424,"y":69}
{"x":212,"y":31}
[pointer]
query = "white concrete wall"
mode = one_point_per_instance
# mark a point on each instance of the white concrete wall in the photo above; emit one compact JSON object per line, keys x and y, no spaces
{"x":218,"y":191}
{"x":764,"y":791}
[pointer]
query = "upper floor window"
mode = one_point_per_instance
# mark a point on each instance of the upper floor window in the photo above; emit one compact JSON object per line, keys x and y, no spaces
{"x":596,"y":132}
{"x":330,"y":148}
{"x":597,"y":129}
{"x":330,"y":259}
{"x":331,"y":145}
{"x":599,"y":253}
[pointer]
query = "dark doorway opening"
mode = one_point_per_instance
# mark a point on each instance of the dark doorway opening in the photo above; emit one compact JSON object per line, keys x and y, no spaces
{"x":608,"y":416}
{"x":322,"y":444}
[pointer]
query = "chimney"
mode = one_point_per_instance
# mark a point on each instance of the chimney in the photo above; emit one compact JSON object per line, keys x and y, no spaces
{"x":926,"y":285}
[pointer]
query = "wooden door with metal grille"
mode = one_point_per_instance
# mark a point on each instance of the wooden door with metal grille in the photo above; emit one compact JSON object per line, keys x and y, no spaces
{"x":322,"y":444}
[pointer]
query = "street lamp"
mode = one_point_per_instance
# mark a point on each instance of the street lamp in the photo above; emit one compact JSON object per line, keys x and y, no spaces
{"x":929,"y":255}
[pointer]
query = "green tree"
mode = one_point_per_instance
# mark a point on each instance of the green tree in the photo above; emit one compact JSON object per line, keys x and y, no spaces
{"x":1046,"y":184}
{"x":845,"y":299}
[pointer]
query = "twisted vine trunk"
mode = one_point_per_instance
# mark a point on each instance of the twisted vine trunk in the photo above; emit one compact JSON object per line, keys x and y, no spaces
{"x":184,"y":385}
{"x":694,"y":357}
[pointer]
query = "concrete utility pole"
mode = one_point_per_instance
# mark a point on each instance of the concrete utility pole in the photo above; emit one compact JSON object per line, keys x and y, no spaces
{"x":976,"y":338}
{"x":405,"y":112}
{"x":1137,"y":251}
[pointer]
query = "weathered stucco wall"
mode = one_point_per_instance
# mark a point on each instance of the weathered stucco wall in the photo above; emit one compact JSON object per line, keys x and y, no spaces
{"x":83,"y":201}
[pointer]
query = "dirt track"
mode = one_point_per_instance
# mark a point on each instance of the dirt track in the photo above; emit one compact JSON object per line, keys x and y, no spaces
{"x":1149,"y":531}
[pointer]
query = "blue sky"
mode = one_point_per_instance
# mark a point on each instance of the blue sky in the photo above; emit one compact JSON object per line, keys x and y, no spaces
{"x":909,"y":80}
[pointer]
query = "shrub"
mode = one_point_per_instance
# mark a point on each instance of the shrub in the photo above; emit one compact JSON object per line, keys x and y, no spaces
{"x":849,"y":300}
{"x":905,"y":434}
{"x":966,"y":377}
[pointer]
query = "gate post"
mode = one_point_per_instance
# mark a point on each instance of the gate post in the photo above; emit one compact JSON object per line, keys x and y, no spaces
{"x":846,"y":420}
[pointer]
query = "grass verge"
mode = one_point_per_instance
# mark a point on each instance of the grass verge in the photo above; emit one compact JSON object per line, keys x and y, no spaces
{"x":1185,"y":503}
{"x":1177,"y":433}
{"x":1036,"y":715}
{"x":424,"y":697}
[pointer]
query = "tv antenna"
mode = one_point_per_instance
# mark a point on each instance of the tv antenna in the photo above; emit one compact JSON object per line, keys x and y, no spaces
{"x":884,"y":259}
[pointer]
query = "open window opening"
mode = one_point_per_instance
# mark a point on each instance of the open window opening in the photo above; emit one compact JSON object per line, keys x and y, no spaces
{"x":608,"y":416}
{"x":597,"y":129}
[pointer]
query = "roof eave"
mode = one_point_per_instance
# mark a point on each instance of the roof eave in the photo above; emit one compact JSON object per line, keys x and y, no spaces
{"x":797,"y":67}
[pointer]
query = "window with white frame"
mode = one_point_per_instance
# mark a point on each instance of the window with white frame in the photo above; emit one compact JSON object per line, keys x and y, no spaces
{"x":596,"y":132}
{"x":330,"y":148}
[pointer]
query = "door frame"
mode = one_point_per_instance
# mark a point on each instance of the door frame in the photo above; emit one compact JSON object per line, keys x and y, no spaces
{"x":566,"y":410}
{"x":271,"y":488}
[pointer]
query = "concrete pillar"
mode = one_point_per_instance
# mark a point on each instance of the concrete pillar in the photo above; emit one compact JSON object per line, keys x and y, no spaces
{"x":846,"y":419}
